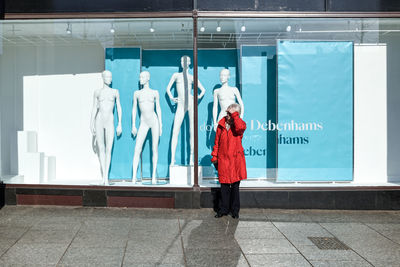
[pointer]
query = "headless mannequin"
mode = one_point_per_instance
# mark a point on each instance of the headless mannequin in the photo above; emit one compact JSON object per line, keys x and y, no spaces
{"x":225,"y":96}
{"x":102,"y":121}
{"x":184,"y":102}
{"x":147,"y":99}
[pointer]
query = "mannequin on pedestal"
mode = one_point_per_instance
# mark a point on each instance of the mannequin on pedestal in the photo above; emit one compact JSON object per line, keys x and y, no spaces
{"x":225,"y":96}
{"x":184,"y":102}
{"x":102,"y":121}
{"x":149,"y":119}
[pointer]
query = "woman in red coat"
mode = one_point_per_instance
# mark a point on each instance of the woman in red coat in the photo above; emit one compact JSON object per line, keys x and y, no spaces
{"x":228,"y":157}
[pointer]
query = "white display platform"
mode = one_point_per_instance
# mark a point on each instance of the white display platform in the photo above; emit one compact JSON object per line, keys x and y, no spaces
{"x":33,"y":167}
{"x":183,"y":175}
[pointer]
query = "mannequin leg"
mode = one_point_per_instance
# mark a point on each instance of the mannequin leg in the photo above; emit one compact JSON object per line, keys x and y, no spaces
{"x":155,"y":134}
{"x":109,"y":143}
{"x":179,"y":115}
{"x":141,"y":135}
{"x":191,"y":132}
{"x":101,"y":147}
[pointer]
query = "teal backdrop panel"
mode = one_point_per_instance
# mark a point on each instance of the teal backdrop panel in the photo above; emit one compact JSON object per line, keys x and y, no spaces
{"x":211,"y":62}
{"x":315,"y":111}
{"x":124,"y":63}
{"x":258,"y":77}
{"x":162,"y":64}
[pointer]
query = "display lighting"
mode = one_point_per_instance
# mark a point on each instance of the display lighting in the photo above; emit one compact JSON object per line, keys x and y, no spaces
{"x":218,"y":29}
{"x":243,"y":28}
{"x":202,"y":28}
{"x":288,"y":28}
{"x":112,"y":30}
{"x":152,"y":28}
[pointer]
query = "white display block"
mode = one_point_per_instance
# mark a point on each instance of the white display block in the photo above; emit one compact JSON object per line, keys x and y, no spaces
{"x":27,"y":143}
{"x":33,"y":167}
{"x":183,"y":175}
{"x":370,"y":114}
{"x":49,"y":168}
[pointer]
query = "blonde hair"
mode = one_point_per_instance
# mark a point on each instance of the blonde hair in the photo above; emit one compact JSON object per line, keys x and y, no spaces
{"x":235,"y":106}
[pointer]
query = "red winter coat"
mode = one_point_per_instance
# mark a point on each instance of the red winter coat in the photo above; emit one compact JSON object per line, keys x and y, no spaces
{"x":228,"y":151}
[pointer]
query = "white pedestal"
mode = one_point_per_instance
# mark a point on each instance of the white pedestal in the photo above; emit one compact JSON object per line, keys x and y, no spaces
{"x":33,"y":167}
{"x":183,"y":175}
{"x":27,"y":143}
{"x":49,"y":168}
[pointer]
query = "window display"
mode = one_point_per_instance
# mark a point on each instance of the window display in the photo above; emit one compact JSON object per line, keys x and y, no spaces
{"x":90,"y":106}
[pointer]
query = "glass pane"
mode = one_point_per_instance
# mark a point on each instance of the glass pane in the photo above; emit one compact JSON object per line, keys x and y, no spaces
{"x":74,"y":121}
{"x":309,"y":89}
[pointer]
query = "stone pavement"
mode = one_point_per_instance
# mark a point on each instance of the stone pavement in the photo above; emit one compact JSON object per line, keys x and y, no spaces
{"x":62,"y":236}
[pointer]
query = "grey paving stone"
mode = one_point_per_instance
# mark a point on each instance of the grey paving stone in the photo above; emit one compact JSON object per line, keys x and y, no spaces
{"x":211,"y":242}
{"x":254,"y":224}
{"x":92,"y":257}
{"x":266,"y":246}
{"x":38,"y":254}
{"x":279,"y":260}
{"x":104,"y":224}
{"x":57,"y":225}
{"x":298,"y":232}
{"x":149,"y":246}
{"x":258,"y":233}
{"x":156,"y":258}
{"x":99,"y":240}
{"x":214,"y":257}
{"x":391,"y":230}
{"x":12,"y":232}
{"x":340,"y":263}
{"x":19,"y":221}
{"x":204,"y":227}
{"x":368,"y":243}
{"x":5,"y":244}
{"x":47,"y":236}
{"x":312,"y":253}
{"x":287,"y":216}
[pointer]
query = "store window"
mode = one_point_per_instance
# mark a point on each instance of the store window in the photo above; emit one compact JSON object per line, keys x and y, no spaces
{"x":94,"y":102}
{"x":319,"y":97}
{"x":313,"y":94}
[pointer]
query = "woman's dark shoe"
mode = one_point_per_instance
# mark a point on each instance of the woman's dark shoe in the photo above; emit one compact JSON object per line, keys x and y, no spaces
{"x":235,"y":216}
{"x":219,"y":215}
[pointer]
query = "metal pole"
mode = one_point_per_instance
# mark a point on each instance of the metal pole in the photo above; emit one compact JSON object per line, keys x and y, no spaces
{"x":195,"y":105}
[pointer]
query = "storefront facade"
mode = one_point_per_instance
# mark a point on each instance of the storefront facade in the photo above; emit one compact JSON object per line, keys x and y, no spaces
{"x":317,"y":84}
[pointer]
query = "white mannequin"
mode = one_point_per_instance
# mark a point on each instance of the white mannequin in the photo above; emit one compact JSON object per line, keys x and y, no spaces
{"x":147,"y":98}
{"x":184,"y":102}
{"x":225,"y":95}
{"x":102,"y":121}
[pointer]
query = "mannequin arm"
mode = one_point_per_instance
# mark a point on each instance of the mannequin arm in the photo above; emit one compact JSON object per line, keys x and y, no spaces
{"x":93,"y":115}
{"x":134,"y":111}
{"x":158,"y":110}
{"x":119,"y":111}
{"x":240,"y":101}
{"x":171,"y":82}
{"x":202,"y":89}
{"x":215,"y":109}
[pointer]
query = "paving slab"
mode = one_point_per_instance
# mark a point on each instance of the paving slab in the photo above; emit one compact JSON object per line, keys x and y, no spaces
{"x":92,"y":257}
{"x":278,"y":260}
{"x":37,"y":254}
